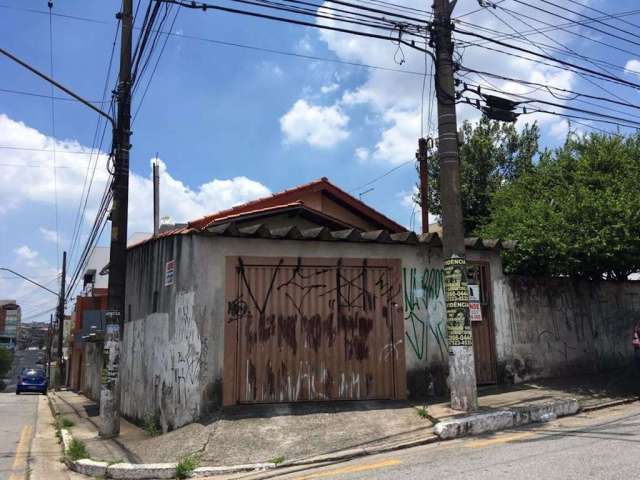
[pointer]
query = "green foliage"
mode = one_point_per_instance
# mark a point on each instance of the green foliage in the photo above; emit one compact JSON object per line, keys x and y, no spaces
{"x":576,"y":212}
{"x":422,"y":412}
{"x":492,"y":155}
{"x":277,"y":460}
{"x":150,"y":425}
{"x":64,"y":422}
{"x":76,"y":450}
{"x":186,"y":466}
{"x":6,"y":359}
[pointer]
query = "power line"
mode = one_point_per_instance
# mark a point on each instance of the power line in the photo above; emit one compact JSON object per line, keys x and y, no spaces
{"x":557,"y":60}
{"x":548,"y":87}
{"x":582,"y":24}
{"x":385,"y":174}
{"x":592,"y":19}
{"x":48,"y":150}
{"x":41,"y":95}
{"x":571,"y":32}
{"x":545,"y":52}
{"x":589,"y":7}
{"x":542,"y":31}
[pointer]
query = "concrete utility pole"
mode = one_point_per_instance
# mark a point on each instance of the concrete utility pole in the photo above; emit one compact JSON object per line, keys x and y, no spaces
{"x":60,"y":314}
{"x":462,"y":373}
{"x":110,"y":392}
{"x":422,"y":155}
{"x":156,"y":197}
{"x":49,"y":343}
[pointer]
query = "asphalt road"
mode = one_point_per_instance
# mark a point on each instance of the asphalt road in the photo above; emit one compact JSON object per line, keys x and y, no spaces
{"x":18,"y":415}
{"x":599,"y":445}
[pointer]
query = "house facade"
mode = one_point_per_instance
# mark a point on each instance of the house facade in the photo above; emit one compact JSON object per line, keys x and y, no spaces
{"x":279,"y":301}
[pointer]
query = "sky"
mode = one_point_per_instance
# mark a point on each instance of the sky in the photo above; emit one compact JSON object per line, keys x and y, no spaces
{"x":230,"y":122}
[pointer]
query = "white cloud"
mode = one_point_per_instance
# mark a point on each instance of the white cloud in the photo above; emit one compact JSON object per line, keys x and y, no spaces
{"x":182,"y":203}
{"x":332,"y":87}
{"x":49,"y":235}
{"x":633,"y":67}
{"x":316,"y":125}
{"x":35,"y":186}
{"x":26,"y":253}
{"x":395,"y":98}
{"x":304,"y":45}
{"x":362,"y":154}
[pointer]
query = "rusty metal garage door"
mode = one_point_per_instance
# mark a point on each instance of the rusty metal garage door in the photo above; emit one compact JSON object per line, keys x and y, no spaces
{"x":312,"y":330}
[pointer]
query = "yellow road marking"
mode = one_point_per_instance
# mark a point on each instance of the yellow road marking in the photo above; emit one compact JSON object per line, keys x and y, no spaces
{"x":499,"y":440}
{"x":22,"y":454}
{"x":353,"y":469}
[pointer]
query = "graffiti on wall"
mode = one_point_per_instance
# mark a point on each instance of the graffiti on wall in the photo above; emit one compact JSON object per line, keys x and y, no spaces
{"x":304,"y":314}
{"x":164,"y":381}
{"x":421,"y":289}
{"x":555,"y":324}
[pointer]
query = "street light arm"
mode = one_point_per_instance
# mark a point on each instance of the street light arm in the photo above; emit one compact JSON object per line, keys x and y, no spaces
{"x":61,"y":87}
{"x":29,"y":280}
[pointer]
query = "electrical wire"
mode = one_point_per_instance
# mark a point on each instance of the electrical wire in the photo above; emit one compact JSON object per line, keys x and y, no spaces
{"x":592,"y":82}
{"x":376,"y":179}
{"x":582,"y":24}
{"x":589,"y":7}
{"x":557,"y":60}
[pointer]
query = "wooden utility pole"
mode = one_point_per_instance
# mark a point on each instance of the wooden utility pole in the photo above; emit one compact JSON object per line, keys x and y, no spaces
{"x":462,"y":373}
{"x":423,"y":165}
{"x":60,"y":316}
{"x":110,"y":392}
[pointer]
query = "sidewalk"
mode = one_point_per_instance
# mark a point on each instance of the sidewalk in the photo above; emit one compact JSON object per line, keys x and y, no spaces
{"x":299,"y":434}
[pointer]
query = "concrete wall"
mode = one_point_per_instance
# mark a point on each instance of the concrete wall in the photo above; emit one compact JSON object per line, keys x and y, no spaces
{"x":91,"y":370}
{"x":172,"y":356}
{"x":552,"y":327}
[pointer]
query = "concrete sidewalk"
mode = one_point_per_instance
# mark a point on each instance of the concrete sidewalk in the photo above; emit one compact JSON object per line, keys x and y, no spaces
{"x":306,"y":433}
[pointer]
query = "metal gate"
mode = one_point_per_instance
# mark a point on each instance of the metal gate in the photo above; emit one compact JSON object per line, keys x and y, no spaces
{"x":313,"y":330}
{"x":483,"y":337}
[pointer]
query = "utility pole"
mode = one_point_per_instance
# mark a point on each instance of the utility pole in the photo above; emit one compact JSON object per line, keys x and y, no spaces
{"x":110,"y":391}
{"x":462,"y":373}
{"x":156,"y":197}
{"x":422,"y":155}
{"x":49,"y":343}
{"x":60,"y":315}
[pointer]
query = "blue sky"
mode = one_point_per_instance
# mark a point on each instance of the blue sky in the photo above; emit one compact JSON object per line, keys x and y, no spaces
{"x":229,"y":123}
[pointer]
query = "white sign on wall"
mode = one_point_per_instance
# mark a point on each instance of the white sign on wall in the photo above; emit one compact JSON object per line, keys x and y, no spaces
{"x":475,"y":311}
{"x":169,"y":273}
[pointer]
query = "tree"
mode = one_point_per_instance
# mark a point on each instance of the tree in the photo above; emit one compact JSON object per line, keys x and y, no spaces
{"x":576,"y":212}
{"x":493,"y":154}
{"x":6,"y":358}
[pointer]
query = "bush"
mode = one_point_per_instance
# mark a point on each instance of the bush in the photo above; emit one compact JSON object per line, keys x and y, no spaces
{"x":186,"y":466}
{"x":150,"y":425}
{"x":6,"y":359}
{"x":65,"y":422}
{"x":76,"y":450}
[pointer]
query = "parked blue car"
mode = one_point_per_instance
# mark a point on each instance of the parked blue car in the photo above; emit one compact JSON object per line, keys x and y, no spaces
{"x":32,"y":380}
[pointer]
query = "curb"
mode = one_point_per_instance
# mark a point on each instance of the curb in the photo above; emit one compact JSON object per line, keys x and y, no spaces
{"x":613,"y":403}
{"x":503,"y":419}
{"x":147,"y":471}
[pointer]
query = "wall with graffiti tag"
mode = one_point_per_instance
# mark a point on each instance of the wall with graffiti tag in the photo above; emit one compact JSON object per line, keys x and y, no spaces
{"x":549,"y":327}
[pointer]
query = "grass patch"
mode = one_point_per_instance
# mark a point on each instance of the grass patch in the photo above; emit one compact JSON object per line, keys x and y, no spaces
{"x":150,"y":425}
{"x":76,"y":450}
{"x":422,"y":413}
{"x":186,"y":466}
{"x":277,"y":460}
{"x":65,"y":422}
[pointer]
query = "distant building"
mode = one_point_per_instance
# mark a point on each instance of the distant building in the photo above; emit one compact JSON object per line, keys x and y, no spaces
{"x":10,"y":317}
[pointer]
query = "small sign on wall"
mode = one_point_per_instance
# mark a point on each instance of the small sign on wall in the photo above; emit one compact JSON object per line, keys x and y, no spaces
{"x":475,"y":312}
{"x":169,"y":273}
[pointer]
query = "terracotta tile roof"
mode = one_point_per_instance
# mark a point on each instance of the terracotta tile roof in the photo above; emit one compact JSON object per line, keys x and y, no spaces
{"x":292,"y":195}
{"x":277,"y":201}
